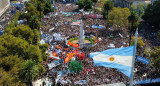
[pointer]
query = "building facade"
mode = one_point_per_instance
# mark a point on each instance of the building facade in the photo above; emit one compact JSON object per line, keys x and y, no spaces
{"x":4,"y":5}
{"x":128,"y":3}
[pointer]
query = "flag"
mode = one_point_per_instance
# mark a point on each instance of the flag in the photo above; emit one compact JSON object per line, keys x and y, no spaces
{"x":118,"y":58}
{"x":54,"y":54}
{"x":142,"y":59}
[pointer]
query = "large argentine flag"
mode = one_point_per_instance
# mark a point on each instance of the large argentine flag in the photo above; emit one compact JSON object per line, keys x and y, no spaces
{"x":119,"y":58}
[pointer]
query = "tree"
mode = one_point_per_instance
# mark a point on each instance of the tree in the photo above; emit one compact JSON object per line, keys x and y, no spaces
{"x":9,"y":79}
{"x":40,"y":8}
{"x":75,"y":66}
{"x":17,"y":46}
{"x":140,"y":42}
{"x":31,"y":10}
{"x":107,"y":7}
{"x":48,"y":7}
{"x":9,"y":69}
{"x":25,"y":32}
{"x":151,"y":14}
{"x":44,"y":47}
{"x":85,"y":4}
{"x":118,"y":17}
{"x":34,"y":22}
{"x":155,"y":59}
{"x":158,"y":35}
{"x":139,"y":9}
{"x":80,"y":4}
{"x":29,"y":72}
{"x":94,"y":1}
{"x":133,"y":20}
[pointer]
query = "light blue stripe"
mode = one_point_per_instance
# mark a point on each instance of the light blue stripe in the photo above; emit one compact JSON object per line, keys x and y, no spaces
{"x":126,"y":51}
{"x":91,"y":55}
{"x":122,"y":68}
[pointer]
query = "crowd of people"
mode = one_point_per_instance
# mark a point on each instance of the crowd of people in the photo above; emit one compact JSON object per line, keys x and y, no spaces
{"x":60,"y":22}
{"x":93,"y":75}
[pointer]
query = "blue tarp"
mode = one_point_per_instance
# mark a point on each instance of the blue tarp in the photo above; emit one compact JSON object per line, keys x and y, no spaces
{"x":20,"y":5}
{"x":14,"y":4}
{"x":18,"y":8}
{"x":94,"y":26}
{"x":44,"y":35}
{"x":1,"y":32}
{"x":142,"y":59}
{"x":13,"y":11}
{"x":20,"y":21}
{"x":54,"y":7}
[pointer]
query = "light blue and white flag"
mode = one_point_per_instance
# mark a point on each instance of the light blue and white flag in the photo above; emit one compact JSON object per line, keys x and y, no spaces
{"x":118,"y":58}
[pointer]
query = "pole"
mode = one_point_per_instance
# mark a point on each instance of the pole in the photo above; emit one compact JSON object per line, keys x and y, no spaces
{"x":133,"y":59}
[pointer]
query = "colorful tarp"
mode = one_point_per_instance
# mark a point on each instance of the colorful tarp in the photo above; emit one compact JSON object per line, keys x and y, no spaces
{"x":76,"y":22}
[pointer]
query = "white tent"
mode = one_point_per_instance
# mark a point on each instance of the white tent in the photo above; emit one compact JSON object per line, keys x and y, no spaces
{"x":58,"y":37}
{"x":54,"y":57}
{"x":111,"y":46}
{"x":53,"y":64}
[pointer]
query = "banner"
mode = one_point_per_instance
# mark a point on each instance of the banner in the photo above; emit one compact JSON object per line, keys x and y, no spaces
{"x":76,"y":22}
{"x":142,"y":59}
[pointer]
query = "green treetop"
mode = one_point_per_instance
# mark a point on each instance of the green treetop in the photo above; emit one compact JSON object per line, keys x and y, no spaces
{"x":75,"y":66}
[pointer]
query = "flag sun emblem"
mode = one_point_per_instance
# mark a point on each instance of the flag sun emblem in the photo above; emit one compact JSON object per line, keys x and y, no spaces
{"x":111,"y":59}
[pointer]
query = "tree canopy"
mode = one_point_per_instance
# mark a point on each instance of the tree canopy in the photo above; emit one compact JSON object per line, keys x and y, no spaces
{"x":20,"y":47}
{"x":158,"y":35}
{"x":140,"y":42}
{"x":36,"y":10}
{"x":108,"y":5}
{"x":139,"y":9}
{"x":85,"y":4}
{"x":133,"y":21}
{"x":25,"y":32}
{"x":9,"y":69}
{"x":75,"y":66}
{"x":155,"y":59}
{"x":151,"y":14}
{"x":29,"y":72}
{"x":14,"y":51}
{"x":34,"y":22}
{"x":118,"y":17}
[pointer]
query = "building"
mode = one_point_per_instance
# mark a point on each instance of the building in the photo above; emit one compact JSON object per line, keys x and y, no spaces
{"x":128,"y":3}
{"x":4,"y":5}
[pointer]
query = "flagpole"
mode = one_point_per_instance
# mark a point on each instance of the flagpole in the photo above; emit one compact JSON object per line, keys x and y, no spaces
{"x":133,"y":59}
